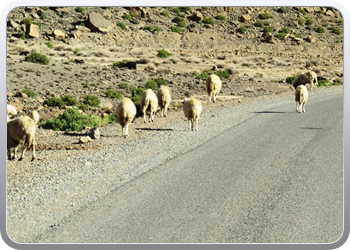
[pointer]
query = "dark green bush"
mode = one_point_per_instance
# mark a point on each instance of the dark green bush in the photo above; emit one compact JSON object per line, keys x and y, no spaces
{"x":320,"y":30}
{"x":80,"y":9}
{"x":92,"y":100}
{"x":301,"y":21}
{"x":49,"y":44}
{"x":123,"y":85}
{"x":208,"y":20}
{"x":71,"y":120}
{"x":176,"y":29}
{"x":163,"y":53}
{"x":126,"y":16}
{"x":185,"y":9}
{"x":151,"y":84}
{"x":29,"y":92}
{"x":268,"y":29}
{"x":69,"y":100}
{"x":114,"y":94}
{"x":121,"y":25}
{"x":37,"y":58}
{"x":120,"y":64}
{"x":220,"y":18}
{"x":53,"y":101}
{"x":222,"y":73}
{"x":242,"y":29}
{"x":337,"y":30}
{"x":291,"y":79}
{"x":264,"y":16}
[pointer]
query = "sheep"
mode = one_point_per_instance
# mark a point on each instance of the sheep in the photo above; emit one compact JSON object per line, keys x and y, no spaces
{"x":213,"y":84}
{"x":149,"y":103}
{"x":34,"y":115}
{"x":192,"y":109}
{"x":301,"y":96}
{"x":11,"y":110}
{"x":309,"y":77}
{"x":21,"y":131}
{"x":126,"y":111}
{"x":164,"y":99}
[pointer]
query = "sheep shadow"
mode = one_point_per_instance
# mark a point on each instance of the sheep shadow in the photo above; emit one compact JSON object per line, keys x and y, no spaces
{"x":309,"y":128}
{"x":155,"y":129}
{"x":270,"y":112}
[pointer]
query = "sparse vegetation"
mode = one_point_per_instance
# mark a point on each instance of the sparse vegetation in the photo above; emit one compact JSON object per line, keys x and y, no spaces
{"x":80,"y":9}
{"x":121,"y":25}
{"x":71,"y":120}
{"x":29,"y":92}
{"x":49,"y":45}
{"x":291,"y":79}
{"x":264,"y":16}
{"x":163,"y":53}
{"x":220,"y":18}
{"x":36,"y":57}
{"x":176,"y":29}
{"x":92,"y":100}
{"x":208,"y":20}
{"x":242,"y":29}
{"x":114,"y":94}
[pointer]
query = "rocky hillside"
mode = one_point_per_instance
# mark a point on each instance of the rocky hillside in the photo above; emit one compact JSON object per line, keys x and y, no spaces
{"x":112,"y":52}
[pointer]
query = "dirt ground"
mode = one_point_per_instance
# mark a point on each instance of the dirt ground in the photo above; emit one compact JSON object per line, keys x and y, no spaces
{"x":83,"y":66}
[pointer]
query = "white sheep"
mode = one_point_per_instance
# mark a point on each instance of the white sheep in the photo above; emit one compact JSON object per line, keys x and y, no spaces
{"x":213,"y":85}
{"x":34,"y":115}
{"x":309,"y":77}
{"x":164,"y":99}
{"x":192,"y":109}
{"x":21,"y":131}
{"x":301,"y":96}
{"x":11,"y":110}
{"x":149,"y":103}
{"x":126,"y":111}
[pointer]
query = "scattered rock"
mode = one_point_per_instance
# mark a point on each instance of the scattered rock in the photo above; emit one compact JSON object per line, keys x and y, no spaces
{"x":85,"y":139}
{"x":93,"y":133}
{"x":58,"y":35}
{"x":33,"y":30}
{"x":246,"y":18}
{"x":97,"y":23}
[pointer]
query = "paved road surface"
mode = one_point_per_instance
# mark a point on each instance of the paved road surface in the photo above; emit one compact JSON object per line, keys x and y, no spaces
{"x":277,"y":176}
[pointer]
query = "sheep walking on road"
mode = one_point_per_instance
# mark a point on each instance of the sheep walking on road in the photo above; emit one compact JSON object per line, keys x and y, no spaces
{"x":126,"y":111}
{"x":149,"y":103}
{"x":301,"y":96}
{"x":309,"y":77}
{"x":21,"y":131}
{"x":164,"y":99}
{"x":192,"y":109}
{"x":213,"y":85}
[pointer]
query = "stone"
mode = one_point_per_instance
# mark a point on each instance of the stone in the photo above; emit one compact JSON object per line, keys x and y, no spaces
{"x":246,"y":18}
{"x":85,"y":139}
{"x":94,"y":133}
{"x":97,"y":23}
{"x":59,"y":35}
{"x":33,"y":30}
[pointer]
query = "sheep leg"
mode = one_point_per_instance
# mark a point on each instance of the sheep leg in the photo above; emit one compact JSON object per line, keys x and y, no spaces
{"x":126,"y":130}
{"x":196,"y":125}
{"x":165,"y":110}
{"x":210,"y":98}
{"x":33,"y":148}
{"x":189,"y":124}
{"x":214,"y":97}
{"x":303,"y":104}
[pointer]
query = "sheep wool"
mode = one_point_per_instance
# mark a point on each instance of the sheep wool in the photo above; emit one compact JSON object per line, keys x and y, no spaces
{"x":192,"y":109}
{"x":126,"y":111}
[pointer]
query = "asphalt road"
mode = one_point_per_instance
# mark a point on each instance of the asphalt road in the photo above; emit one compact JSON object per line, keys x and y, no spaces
{"x":277,"y":176}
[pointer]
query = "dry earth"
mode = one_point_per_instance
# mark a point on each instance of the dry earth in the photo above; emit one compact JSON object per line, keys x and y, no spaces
{"x":81,"y":62}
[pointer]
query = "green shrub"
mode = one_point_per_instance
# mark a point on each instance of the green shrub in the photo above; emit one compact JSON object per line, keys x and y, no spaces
{"x":121,"y":25}
{"x":165,"y":13}
{"x":29,"y":92}
{"x":71,"y":120}
{"x":109,"y":119}
{"x":242,"y":29}
{"x":126,"y":16}
{"x":37,"y":58}
{"x":185,"y":9}
{"x":176,"y":29}
{"x":205,"y":73}
{"x":208,"y":20}
{"x":284,"y":10}
{"x":53,"y":101}
{"x":259,"y":23}
{"x":151,"y":29}
{"x":222,"y":73}
{"x":80,"y":9}
{"x":123,"y":85}
{"x":86,"y":85}
{"x":182,"y":24}
{"x":50,"y":45}
{"x":92,"y":100}
{"x":268,"y":29}
{"x":160,"y":81}
{"x":69,"y":100}
{"x":177,"y":19}
{"x":120,"y":64}
{"x":264,"y":16}
{"x":309,"y":21}
{"x":163,"y":53}
{"x":26,"y":20}
{"x":323,"y":82}
{"x":301,"y":21}
{"x":320,"y":30}
{"x":114,"y":94}
{"x":135,"y":21}
{"x":220,"y":18}
{"x":291,"y":79}
{"x":151,"y":84}
{"x":76,"y":51}
{"x":337,"y":30}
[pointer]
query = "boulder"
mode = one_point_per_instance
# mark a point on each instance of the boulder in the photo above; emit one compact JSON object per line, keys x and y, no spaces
{"x":97,"y":23}
{"x":33,"y":30}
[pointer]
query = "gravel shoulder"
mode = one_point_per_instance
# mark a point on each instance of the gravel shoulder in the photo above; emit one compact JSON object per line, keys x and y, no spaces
{"x":42,"y":194}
